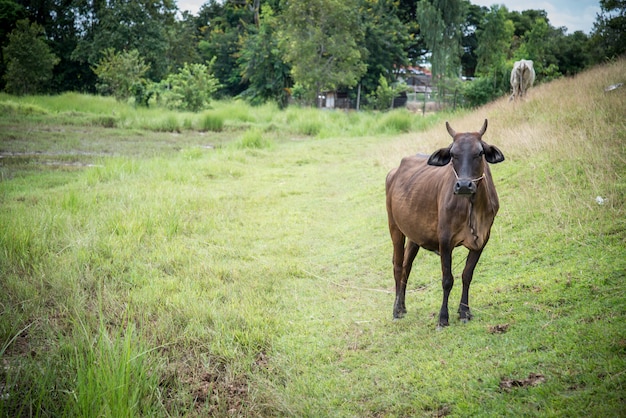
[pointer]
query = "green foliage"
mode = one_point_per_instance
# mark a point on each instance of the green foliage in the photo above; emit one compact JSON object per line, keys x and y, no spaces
{"x":321,"y":41}
{"x":182,"y":43}
{"x":382,"y":97}
{"x":121,"y":75}
{"x":386,"y":40}
{"x":262,"y":65}
{"x":494,"y":40}
{"x":124,"y":26}
{"x":348,"y":43}
{"x":191,"y":88}
{"x":28,"y":59}
{"x":609,"y":33}
{"x":538,"y":46}
{"x":222,"y":27}
{"x":480,"y":91}
{"x":440,"y":25}
{"x":10,"y":13}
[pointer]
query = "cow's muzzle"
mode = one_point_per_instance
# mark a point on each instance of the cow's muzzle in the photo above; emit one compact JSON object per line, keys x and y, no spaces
{"x":466,"y":186}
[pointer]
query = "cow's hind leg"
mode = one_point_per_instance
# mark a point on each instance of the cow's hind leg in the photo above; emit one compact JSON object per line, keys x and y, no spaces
{"x":468,"y":272}
{"x":402,"y":262}
{"x":409,"y":255}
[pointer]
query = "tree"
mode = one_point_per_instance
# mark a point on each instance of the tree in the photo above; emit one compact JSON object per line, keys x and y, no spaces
{"x":406,"y":11}
{"x":29,"y":59}
{"x":494,"y":41}
{"x":261,"y":63}
{"x":441,"y":26}
{"x":321,"y":41}
{"x":382,"y":97}
{"x":10,"y":13}
{"x":469,"y":42}
{"x":191,"y":88}
{"x":573,"y":53}
{"x":182,"y":43}
{"x":386,"y":40}
{"x":609,"y":30}
{"x":121,"y":74}
{"x":222,"y":25}
{"x":60,"y":20}
{"x":124,"y":26}
{"x":540,"y":45}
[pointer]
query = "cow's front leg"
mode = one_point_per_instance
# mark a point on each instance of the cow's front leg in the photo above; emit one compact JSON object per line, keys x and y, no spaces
{"x":468,"y":272}
{"x":447,"y":281}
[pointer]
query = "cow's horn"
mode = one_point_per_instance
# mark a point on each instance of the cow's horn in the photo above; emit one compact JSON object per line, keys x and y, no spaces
{"x":483,"y":129}
{"x":451,"y":131}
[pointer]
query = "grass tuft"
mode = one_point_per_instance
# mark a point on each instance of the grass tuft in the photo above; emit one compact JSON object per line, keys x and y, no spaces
{"x":254,"y":139}
{"x":211,"y":122}
{"x":10,"y":107}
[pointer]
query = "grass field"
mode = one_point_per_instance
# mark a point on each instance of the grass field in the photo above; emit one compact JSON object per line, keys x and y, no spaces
{"x":237,"y":262}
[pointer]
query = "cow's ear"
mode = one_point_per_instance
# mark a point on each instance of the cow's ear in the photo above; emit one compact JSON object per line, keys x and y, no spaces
{"x":492,"y":154}
{"x":440,"y":157}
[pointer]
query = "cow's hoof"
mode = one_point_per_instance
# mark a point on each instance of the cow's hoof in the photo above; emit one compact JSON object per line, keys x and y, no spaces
{"x":465,"y":316}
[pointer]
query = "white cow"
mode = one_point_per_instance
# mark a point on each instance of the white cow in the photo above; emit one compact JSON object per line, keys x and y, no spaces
{"x":522,"y":78}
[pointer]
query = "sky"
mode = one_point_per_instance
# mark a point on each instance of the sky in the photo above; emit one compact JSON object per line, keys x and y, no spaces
{"x":573,"y":14}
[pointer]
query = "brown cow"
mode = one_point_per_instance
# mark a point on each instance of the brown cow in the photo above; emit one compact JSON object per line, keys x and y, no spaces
{"x":440,"y":206}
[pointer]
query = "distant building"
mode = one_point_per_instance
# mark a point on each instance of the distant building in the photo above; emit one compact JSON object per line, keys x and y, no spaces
{"x":418,"y":78}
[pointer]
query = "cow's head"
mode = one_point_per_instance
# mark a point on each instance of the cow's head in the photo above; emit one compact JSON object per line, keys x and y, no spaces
{"x":468,"y":154}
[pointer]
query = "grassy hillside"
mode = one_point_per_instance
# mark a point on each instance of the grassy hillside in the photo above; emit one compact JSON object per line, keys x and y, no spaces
{"x":243,"y":267}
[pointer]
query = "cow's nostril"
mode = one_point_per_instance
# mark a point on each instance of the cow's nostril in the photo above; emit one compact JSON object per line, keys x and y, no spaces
{"x":464,"y":187}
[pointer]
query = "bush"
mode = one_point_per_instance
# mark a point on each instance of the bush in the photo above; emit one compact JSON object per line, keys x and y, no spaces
{"x":29,"y":61}
{"x":191,"y":88}
{"x":121,"y":74}
{"x":480,"y":91}
{"x":382,"y":98}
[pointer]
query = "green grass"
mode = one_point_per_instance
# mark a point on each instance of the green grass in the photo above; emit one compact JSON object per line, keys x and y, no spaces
{"x":247,"y":271}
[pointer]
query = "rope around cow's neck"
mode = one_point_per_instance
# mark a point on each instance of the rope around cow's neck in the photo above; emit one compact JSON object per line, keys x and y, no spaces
{"x":474,"y":180}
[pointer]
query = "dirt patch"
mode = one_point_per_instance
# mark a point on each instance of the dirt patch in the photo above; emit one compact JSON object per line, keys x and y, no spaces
{"x":216,"y":395}
{"x":197,"y":387}
{"x":533,"y":379}
{"x":498,"y":329}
